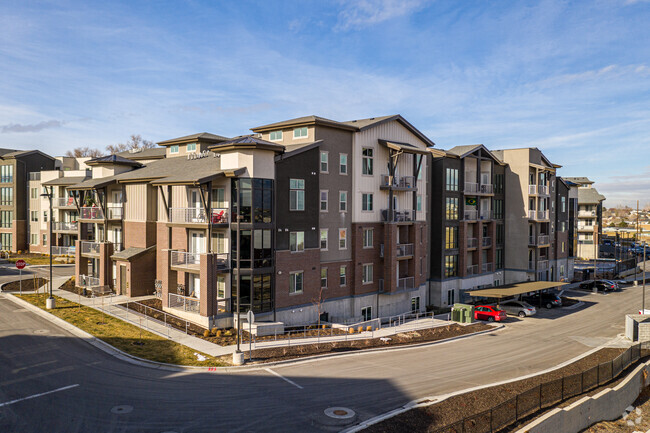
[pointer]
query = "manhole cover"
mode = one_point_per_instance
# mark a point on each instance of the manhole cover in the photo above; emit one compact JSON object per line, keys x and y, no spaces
{"x":122,"y":409}
{"x":41,"y":331}
{"x":340,"y":413}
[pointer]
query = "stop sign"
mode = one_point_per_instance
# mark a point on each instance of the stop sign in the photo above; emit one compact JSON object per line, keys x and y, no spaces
{"x":20,"y":264}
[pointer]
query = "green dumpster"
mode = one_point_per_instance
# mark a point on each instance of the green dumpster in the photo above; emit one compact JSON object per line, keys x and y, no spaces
{"x":462,"y":313}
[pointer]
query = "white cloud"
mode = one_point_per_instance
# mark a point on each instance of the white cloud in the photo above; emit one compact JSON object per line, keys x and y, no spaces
{"x":35,"y":127}
{"x":363,"y":13}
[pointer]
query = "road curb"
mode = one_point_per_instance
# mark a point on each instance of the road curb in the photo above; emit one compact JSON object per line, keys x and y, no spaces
{"x":98,"y":343}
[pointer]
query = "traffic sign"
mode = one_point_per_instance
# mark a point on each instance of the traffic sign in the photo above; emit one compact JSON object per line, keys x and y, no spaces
{"x":250,"y":317}
{"x":20,"y":264}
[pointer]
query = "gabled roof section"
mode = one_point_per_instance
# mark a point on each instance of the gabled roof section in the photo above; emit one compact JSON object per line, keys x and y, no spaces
{"x":96,"y":183}
{"x":296,"y":149}
{"x":21,"y":153}
{"x":580,"y":180}
{"x":246,"y":142}
{"x":403,"y":147}
{"x":6,"y":151}
{"x":304,"y":121}
{"x":204,"y":137}
{"x":363,"y":124}
{"x":590,"y":196}
{"x":463,"y":151}
{"x":113,"y":160}
{"x":153,"y":153}
{"x":65,"y":181}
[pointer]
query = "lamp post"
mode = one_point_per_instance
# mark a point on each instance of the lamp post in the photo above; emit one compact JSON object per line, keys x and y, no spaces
{"x":50,"y":302}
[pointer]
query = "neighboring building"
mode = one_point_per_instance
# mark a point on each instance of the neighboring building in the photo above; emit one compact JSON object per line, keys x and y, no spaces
{"x":562,"y":261}
{"x":15,"y":169}
{"x":530,"y":214}
{"x":590,"y":218}
{"x":467,"y":223}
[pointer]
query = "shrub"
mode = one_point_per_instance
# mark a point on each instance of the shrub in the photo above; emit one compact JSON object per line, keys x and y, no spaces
{"x":218,"y":333}
{"x":360,"y":329}
{"x":369,"y":328}
{"x":324,"y":326}
{"x":206,"y":333}
{"x":351,"y":331}
{"x":214,"y":331}
{"x":19,"y":252}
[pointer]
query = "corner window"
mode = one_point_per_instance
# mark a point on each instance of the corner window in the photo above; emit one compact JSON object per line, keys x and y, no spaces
{"x":275,"y":136}
{"x":343,"y":239}
{"x":295,"y":282}
{"x":343,"y":163}
{"x":323,"y":200}
{"x":367,"y":161}
{"x":367,"y":238}
{"x":297,"y":241}
{"x":366,"y":273}
{"x":173,"y":148}
{"x":323,"y":239}
{"x":296,"y":194}
{"x":366,"y":202}
{"x":324,"y":162}
{"x":191,"y":147}
{"x":300,"y":132}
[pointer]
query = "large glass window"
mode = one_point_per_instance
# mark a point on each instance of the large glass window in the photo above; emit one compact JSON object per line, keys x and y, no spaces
{"x":295,"y":282}
{"x":366,"y":273}
{"x":498,"y":209}
{"x":7,"y":173}
{"x":297,"y":241}
{"x":366,"y":202}
{"x":256,"y":293}
{"x":451,"y":208}
{"x":6,"y":241}
{"x":262,"y":249}
{"x":451,"y":179}
{"x":498,"y":183}
{"x":6,"y":218}
{"x":499,"y":259}
{"x":367,"y":161}
{"x":296,"y":194}
{"x":451,"y":266}
{"x":256,"y":196}
{"x":500,"y":234}
{"x":367,"y":238}
{"x":6,"y":196}
{"x":451,"y":237}
{"x":219,"y":198}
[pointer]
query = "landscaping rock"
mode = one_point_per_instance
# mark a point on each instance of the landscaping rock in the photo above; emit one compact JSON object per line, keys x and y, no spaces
{"x":629,"y":408}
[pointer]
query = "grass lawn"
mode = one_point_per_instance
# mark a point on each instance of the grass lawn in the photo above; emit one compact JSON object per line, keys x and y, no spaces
{"x":32,"y":259}
{"x":124,"y":336}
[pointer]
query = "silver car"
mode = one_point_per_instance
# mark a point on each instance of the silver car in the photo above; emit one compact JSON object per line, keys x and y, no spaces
{"x":517,"y":308}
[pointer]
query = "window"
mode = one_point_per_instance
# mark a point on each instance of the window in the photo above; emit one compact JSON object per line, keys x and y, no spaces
{"x":366,"y":313}
{"x":221,"y":287}
{"x":6,"y":241}
{"x":7,"y":173}
{"x":450,"y":297}
{"x":6,"y":196}
{"x":297,"y":241}
{"x":366,"y":273}
{"x":563,"y":226}
{"x":44,"y":240}
{"x":498,"y":209}
{"x":34,"y":216}
{"x":300,"y":132}
{"x":420,"y":165}
{"x":323,"y":278}
{"x":563,"y":203}
{"x":343,"y":275}
{"x":191,"y":147}
{"x":343,"y":239}
{"x":367,"y":161}
{"x":451,"y":179}
{"x":419,"y":203}
{"x":219,"y":198}
{"x":343,"y":201}
{"x":367,"y":238}
{"x":451,"y":206}
{"x":499,"y":259}
{"x":343,"y":163}
{"x":451,"y":266}
{"x":415,"y":303}
{"x":366,"y":202}
{"x":323,"y":200}
{"x":45,"y":216}
{"x":324,"y":162}
{"x":33,"y":192}
{"x":296,"y":194}
{"x":451,"y":237}
{"x":275,"y":136}
{"x":173,"y":149}
{"x":323,"y":239}
{"x":295,"y":282}
{"x":563,"y":246}
{"x":500,"y":234}
{"x":498,"y":183}
{"x":561,"y":270}
{"x":34,"y":239}
{"x":6,"y":218}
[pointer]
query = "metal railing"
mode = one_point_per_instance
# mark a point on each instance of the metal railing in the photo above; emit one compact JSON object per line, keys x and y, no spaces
{"x":542,"y":189}
{"x":487,"y":267}
{"x":486,"y":241}
{"x":542,"y":215}
{"x":114,"y":211}
{"x":471,"y":188}
{"x":586,"y":213}
{"x":485,"y":214}
{"x":63,"y":202}
{"x":88,"y":281}
{"x":63,"y":251}
{"x":532,"y":240}
{"x":543,"y":240}
{"x":402,"y":182}
{"x":396,"y":216}
{"x":472,"y":243}
{"x":532,"y":189}
{"x":405,"y":283}
{"x":65,"y":226}
{"x":486,"y":188}
{"x":89,"y":247}
{"x":544,"y":395}
{"x":222,"y":261}
{"x":404,"y":250}
{"x":470,"y":214}
{"x":185,"y":303}
{"x":586,"y":227}
{"x":187,"y":215}
{"x":472,"y":270}
{"x":182,"y":258}
{"x":91,"y":213}
{"x":219,"y":216}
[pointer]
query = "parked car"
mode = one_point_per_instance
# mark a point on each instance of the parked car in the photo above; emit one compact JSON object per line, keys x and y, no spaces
{"x":549,"y":300}
{"x":617,"y":287}
{"x":489,"y":313}
{"x":600,"y":285}
{"x":518,"y":308}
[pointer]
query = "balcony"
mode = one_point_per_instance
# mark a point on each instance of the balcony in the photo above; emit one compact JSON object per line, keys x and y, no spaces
{"x":472,"y":270}
{"x":114,"y":211}
{"x":405,"y":283}
{"x":542,"y":189}
{"x":532,"y":240}
{"x":64,"y":202}
{"x":532,"y":189}
{"x":586,"y":213}
{"x":185,"y":303}
{"x":398,"y":183}
{"x":586,"y":227}
{"x":222,"y":262}
{"x":196,"y":215}
{"x":471,"y":188}
{"x":404,"y":250}
{"x":486,"y":189}
{"x":486,"y":215}
{"x":471,"y":215}
{"x":543,"y":240}
{"x":91,"y":213}
{"x":184,"y":261}
{"x":62,"y":251}
{"x":397,"y":216}
{"x":486,"y":241}
{"x":539,"y":215}
{"x":89,"y":248}
{"x":65,"y":226}
{"x":487,"y":267}
{"x":472,"y":243}
{"x":88,"y":281}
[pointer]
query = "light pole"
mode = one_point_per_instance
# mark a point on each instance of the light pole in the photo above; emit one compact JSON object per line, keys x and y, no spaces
{"x":50,"y":302}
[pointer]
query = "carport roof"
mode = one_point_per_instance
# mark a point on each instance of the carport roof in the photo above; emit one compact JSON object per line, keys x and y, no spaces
{"x":515,"y":289}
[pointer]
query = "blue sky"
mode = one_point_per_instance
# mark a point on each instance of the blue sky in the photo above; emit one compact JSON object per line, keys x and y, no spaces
{"x":572,"y":78}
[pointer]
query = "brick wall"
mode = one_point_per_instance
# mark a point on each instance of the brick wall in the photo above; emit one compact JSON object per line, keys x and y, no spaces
{"x":286,"y":262}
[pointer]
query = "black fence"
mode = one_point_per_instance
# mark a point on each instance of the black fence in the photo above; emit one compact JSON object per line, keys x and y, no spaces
{"x":544,"y":396}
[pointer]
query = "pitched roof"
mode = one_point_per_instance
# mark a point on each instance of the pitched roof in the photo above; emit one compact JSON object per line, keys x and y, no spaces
{"x":301,"y":121}
{"x":6,"y":151}
{"x":65,"y":181}
{"x":114,"y":160}
{"x":98,"y":182}
{"x":247,"y":142}
{"x":153,"y":153}
{"x":589,"y":195}
{"x":580,"y":180}
{"x":20,"y":153}
{"x":201,"y":136}
{"x":363,"y":124}
{"x":131,"y":253}
{"x":464,"y":150}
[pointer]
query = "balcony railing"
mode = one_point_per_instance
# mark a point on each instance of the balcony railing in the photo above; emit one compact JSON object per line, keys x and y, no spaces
{"x":185,"y":303}
{"x":191,"y":215}
{"x":587,"y":227}
{"x":222,"y":261}
{"x":471,"y":188}
{"x":487,"y":267}
{"x":472,"y":242}
{"x":91,"y":213}
{"x":89,"y":247}
{"x":486,"y":214}
{"x":486,"y":241}
{"x":486,"y":189}
{"x":185,"y":260}
{"x":65,"y":226}
{"x":397,"y":216}
{"x":542,"y":189}
{"x":586,"y":213}
{"x":88,"y":281}
{"x":471,"y":215}
{"x":405,"y":283}
{"x":538,"y":215}
{"x":532,"y":189}
{"x":114,"y":211}
{"x":532,"y":240}
{"x":406,"y":183}
{"x":472,"y":270}
{"x":543,"y":240}
{"x":117,"y":246}
{"x":404,"y":250}
{"x":63,"y":202}
{"x":63,"y":251}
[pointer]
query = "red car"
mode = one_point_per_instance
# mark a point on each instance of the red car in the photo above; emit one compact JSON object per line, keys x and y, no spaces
{"x":489,"y":313}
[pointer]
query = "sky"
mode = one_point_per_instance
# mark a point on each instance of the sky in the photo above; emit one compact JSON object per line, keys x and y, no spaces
{"x":571,"y":78}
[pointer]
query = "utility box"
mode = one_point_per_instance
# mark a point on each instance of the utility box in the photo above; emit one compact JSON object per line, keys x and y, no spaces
{"x":462,"y":313}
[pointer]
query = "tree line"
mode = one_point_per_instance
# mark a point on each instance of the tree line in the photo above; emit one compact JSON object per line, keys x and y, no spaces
{"x":134,"y":142}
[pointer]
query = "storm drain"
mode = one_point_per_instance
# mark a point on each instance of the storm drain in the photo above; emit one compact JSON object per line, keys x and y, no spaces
{"x":338,"y":416}
{"x":122,"y":409}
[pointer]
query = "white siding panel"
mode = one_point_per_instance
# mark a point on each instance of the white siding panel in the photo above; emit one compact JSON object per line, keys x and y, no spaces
{"x":136,"y":202}
{"x":162,"y":212}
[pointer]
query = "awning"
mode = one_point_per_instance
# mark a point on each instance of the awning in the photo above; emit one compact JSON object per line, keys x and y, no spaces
{"x":93,"y":183}
{"x":515,"y":289}
{"x":65,"y":181}
{"x":404,"y":147}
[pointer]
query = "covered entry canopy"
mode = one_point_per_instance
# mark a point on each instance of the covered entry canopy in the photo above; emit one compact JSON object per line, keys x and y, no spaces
{"x":515,"y":289}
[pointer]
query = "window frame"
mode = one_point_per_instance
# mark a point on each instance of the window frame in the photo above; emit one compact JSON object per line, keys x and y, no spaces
{"x":299,"y":192}
{"x":323,"y":269}
{"x":367,"y":199}
{"x":365,"y":233}
{"x":174,"y":148}
{"x":343,"y":276}
{"x":188,"y":150}
{"x":341,"y":165}
{"x":297,"y":132}
{"x":367,"y":271}
{"x":275,"y":132}
{"x":343,"y":203}
{"x":327,"y":196}
{"x":296,"y":235}
{"x":293,"y":279}
{"x":326,"y":154}
{"x":367,"y":169}
{"x":326,"y":231}
{"x":343,"y":231}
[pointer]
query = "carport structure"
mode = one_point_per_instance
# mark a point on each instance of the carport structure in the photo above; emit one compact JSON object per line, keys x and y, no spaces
{"x":515,"y":289}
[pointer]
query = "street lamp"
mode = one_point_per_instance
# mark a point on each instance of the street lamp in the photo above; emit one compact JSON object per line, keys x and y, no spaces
{"x":50,"y":303}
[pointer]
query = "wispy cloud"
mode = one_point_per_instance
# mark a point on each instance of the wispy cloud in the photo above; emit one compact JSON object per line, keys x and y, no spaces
{"x":36,"y":127}
{"x":363,"y":13}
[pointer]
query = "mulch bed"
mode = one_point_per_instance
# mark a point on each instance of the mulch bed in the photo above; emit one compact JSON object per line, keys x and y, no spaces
{"x":454,"y":409}
{"x":28,"y":285}
{"x":69,"y":286}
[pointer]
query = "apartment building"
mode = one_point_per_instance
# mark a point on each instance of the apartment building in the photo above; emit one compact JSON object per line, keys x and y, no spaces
{"x":15,"y":166}
{"x":530,"y":215}
{"x":562,"y":261}
{"x":467,"y":222}
{"x":590,"y":218}
{"x":69,"y":172}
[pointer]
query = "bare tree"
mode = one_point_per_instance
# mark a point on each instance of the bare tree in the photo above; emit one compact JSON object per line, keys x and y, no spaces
{"x":318,"y":304}
{"x":135,"y":142}
{"x":81,"y":152}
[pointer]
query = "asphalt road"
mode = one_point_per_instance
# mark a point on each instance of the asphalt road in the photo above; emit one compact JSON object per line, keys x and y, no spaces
{"x":37,"y":357}
{"x":8,"y":272}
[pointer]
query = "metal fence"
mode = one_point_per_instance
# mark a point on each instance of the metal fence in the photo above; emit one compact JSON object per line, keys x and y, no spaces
{"x":185,"y":303}
{"x":544,"y":396}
